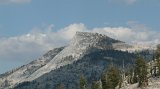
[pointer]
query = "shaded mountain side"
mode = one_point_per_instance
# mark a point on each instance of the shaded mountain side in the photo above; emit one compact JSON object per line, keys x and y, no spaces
{"x":91,"y":66}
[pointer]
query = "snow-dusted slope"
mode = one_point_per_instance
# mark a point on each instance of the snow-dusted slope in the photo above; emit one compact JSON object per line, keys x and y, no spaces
{"x":21,"y":74}
{"x":132,"y":47}
{"x":80,"y":44}
{"x":121,"y":46}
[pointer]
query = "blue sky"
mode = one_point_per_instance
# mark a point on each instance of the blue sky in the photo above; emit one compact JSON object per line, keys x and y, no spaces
{"x":20,"y":18}
{"x":25,"y":22}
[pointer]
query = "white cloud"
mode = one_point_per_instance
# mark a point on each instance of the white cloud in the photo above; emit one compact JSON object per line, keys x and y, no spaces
{"x":14,"y":1}
{"x":135,"y":33}
{"x":36,"y":42}
{"x":129,"y":35}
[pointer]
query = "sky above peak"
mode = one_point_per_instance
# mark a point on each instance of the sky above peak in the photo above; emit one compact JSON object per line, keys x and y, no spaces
{"x":45,"y":24}
{"x":20,"y":16}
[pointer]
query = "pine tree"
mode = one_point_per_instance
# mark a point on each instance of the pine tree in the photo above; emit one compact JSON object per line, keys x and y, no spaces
{"x":120,"y":81}
{"x":153,"y":66}
{"x":158,"y":59}
{"x":135,"y":75}
{"x":83,"y":82}
{"x":130,"y":76}
{"x":60,"y":86}
{"x":154,"y":70}
{"x":111,"y":79}
{"x":48,"y":85}
{"x":141,"y":71}
{"x":104,"y":81}
{"x":95,"y":85}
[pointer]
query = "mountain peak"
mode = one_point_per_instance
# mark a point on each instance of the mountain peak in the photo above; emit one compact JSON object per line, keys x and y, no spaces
{"x":81,"y":43}
{"x":88,"y":34}
{"x":93,"y":39}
